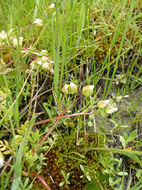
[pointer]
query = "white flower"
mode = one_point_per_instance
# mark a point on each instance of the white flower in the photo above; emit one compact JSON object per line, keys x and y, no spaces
{"x":3,"y":35}
{"x":51,"y":6}
{"x":69,"y":88}
{"x":110,"y":109}
{"x":51,"y":61}
{"x":103,"y":103}
{"x":1,"y":160}
{"x":39,"y":22}
{"x":44,"y":52}
{"x":87,"y":90}
{"x":72,"y":84}
{"x":46,"y":66}
{"x":15,"y":41}
{"x":72,"y":88}
{"x":44,"y":62}
{"x":39,"y":62}
{"x":65,"y":89}
{"x":44,"y":58}
{"x":35,"y":64}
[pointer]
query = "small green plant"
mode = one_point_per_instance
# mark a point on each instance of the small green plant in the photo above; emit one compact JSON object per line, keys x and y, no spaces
{"x":85,"y":172}
{"x":128,"y":138}
{"x":66,"y":178}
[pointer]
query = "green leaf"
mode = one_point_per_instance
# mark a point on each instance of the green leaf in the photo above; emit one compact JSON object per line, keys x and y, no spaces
{"x":82,"y":168}
{"x":88,"y":177}
{"x":130,"y":153}
{"x":122,"y":173}
{"x":131,"y":136}
{"x":26,"y":182}
{"x":61,"y":184}
{"x":122,"y":140}
{"x":139,"y":173}
{"x":118,"y":180}
{"x":18,"y":162}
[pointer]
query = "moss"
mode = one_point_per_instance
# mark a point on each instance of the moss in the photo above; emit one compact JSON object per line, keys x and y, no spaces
{"x":65,"y":156}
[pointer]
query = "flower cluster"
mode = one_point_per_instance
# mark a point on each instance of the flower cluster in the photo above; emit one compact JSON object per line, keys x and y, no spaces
{"x":5,"y":37}
{"x":72,"y":89}
{"x":38,"y":22}
{"x":107,"y":107}
{"x":43,"y":62}
{"x":69,"y":88}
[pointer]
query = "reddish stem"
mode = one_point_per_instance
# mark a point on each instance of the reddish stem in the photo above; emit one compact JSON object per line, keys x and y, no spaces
{"x":41,"y":180}
{"x":10,"y":70}
{"x":34,"y":38}
{"x":49,"y":132}
{"x":24,"y":29}
{"x":57,"y":118}
{"x":62,"y":117}
{"x":6,"y":47}
{"x":8,"y":64}
{"x":36,"y":175}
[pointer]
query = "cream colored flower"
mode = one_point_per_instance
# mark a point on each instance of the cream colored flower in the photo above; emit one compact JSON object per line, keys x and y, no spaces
{"x":44,"y":58}
{"x":44,"y":52}
{"x":102,"y":103}
{"x":51,"y":6}
{"x":69,"y":88}
{"x":72,"y":88}
{"x":65,"y":89}
{"x":46,"y":66}
{"x":87,"y":90}
{"x":110,"y":109}
{"x":38,"y":22}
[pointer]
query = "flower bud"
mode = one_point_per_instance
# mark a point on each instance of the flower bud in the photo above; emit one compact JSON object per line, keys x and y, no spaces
{"x":110,"y":109}
{"x":87,"y":90}
{"x":103,"y":103}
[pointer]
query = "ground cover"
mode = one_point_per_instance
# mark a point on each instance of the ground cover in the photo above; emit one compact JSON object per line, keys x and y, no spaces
{"x":70,"y":94}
